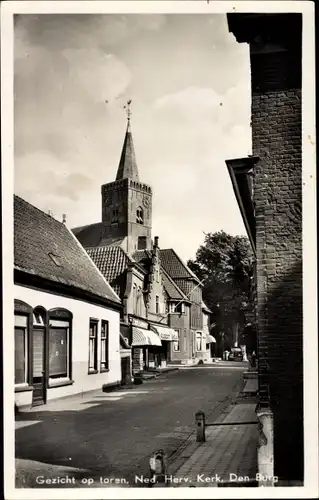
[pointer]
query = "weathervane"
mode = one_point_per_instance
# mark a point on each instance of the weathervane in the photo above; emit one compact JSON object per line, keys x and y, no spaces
{"x":128,"y":109}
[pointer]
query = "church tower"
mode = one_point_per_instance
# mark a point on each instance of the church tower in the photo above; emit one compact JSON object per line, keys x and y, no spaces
{"x":127,"y":202}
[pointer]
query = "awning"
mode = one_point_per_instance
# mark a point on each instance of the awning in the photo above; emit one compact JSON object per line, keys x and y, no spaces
{"x":210,"y":339}
{"x":142,"y":337}
{"x":165,"y":333}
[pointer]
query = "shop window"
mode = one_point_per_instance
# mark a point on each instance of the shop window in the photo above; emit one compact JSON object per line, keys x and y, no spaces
{"x":199,"y":341}
{"x":60,"y":323}
{"x":176,"y":343}
{"x":21,"y":347}
{"x":93,"y":345}
{"x":140,"y":216}
{"x":104,"y":346}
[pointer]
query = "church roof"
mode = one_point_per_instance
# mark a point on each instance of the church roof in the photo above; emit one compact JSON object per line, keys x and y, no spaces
{"x":89,"y":235}
{"x":127,"y":168}
{"x":46,"y":248}
{"x":174,"y":266}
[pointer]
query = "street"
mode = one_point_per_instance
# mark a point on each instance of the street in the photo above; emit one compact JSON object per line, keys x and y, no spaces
{"x":113,"y":434}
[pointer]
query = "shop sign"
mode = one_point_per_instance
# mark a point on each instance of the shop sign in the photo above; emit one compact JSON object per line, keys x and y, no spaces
{"x":165,"y":336}
{"x":139,"y":323}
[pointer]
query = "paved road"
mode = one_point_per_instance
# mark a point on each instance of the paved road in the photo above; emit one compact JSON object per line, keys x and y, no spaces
{"x":112,"y":435}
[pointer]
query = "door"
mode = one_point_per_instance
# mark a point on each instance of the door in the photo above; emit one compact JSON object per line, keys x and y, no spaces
{"x":193,"y":343}
{"x":38,"y":367}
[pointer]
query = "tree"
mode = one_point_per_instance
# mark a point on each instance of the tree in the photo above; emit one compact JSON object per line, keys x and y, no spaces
{"x":225,"y":262}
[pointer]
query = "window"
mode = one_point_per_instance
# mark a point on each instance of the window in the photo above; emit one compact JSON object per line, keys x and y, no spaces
{"x":157,"y":305}
{"x":178,"y":308}
{"x":134,"y":299}
{"x":199,"y":341}
{"x":93,"y":345}
{"x":140,"y":216}
{"x":21,"y":349}
{"x":139,"y":300}
{"x":104,"y":346}
{"x":176,"y":343}
{"x":115,"y":216}
{"x":55,"y":259}
{"x":141,"y":243}
{"x":59,"y":343}
{"x":38,"y":317}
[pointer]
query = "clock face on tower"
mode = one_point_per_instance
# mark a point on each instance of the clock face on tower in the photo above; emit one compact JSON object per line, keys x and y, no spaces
{"x":146,"y":201}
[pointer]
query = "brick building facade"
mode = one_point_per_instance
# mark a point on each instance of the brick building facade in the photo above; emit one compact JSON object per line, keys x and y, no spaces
{"x":269,"y":191}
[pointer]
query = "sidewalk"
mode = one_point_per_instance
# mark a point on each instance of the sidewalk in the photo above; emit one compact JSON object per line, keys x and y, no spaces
{"x":227,"y":458}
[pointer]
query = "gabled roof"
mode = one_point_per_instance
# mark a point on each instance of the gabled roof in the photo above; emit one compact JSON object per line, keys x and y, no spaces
{"x":174,"y":266}
{"x":112,"y":261}
{"x":45,"y":247}
{"x":173,"y":291}
{"x":127,"y":167}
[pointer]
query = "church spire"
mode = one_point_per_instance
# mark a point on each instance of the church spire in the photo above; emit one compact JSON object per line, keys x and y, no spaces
{"x":127,"y":167}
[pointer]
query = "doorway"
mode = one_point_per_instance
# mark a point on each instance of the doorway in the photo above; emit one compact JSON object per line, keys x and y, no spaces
{"x":38,"y":367}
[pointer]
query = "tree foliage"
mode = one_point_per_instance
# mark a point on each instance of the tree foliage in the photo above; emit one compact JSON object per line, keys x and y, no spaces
{"x":225,"y":262}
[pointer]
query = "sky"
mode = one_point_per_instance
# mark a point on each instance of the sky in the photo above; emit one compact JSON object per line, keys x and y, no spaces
{"x":189,"y":81}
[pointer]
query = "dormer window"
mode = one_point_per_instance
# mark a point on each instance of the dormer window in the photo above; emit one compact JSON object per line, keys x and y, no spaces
{"x":55,"y":259}
{"x":140,"y":216}
{"x":115,"y":216}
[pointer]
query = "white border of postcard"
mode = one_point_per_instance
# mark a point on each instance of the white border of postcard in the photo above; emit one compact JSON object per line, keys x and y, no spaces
{"x":8,"y":9}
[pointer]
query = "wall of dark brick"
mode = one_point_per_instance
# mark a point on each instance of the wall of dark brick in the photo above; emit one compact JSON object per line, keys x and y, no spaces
{"x":276,"y":134}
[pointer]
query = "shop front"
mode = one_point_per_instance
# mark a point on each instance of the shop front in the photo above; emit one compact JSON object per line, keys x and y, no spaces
{"x":167,"y":336}
{"x":146,"y":346}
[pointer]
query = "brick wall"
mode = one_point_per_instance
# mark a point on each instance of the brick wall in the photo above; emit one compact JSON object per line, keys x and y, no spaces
{"x":276,"y":134}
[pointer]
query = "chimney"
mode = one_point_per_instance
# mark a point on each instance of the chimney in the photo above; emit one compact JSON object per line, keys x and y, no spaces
{"x":50,"y":212}
{"x":156,"y":242}
{"x":63,"y":218}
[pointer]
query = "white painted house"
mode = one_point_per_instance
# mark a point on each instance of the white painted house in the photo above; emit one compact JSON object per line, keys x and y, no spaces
{"x":67,"y":317}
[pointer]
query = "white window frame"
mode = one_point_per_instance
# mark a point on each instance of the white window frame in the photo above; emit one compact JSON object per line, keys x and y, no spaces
{"x":66,"y":325}
{"x":177,"y":343}
{"x":157,"y":305}
{"x":199,"y":336}
{"x":94,"y":322}
{"x":104,"y":342}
